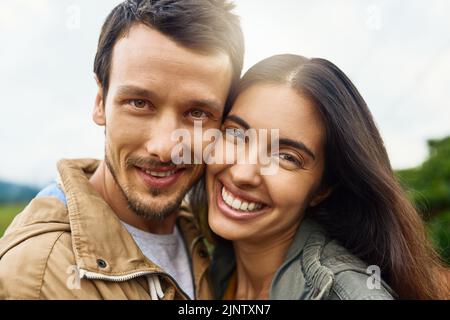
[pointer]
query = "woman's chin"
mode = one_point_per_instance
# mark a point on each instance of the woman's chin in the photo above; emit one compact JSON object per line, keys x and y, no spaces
{"x":226,"y":230}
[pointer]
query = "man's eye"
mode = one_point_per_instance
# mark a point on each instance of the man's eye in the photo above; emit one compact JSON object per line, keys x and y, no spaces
{"x":139,"y":104}
{"x":198,"y":114}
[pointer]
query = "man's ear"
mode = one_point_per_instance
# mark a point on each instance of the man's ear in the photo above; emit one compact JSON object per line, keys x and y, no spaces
{"x":98,"y":114}
{"x":321,"y":196}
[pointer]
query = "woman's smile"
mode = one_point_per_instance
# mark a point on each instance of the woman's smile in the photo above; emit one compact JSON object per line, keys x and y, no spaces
{"x":237,"y":204}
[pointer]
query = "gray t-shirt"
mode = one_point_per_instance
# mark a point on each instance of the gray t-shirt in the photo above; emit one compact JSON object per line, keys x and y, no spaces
{"x":168,"y":252}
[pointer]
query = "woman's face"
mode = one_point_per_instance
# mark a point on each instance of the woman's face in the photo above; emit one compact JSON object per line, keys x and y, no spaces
{"x":245,"y":205}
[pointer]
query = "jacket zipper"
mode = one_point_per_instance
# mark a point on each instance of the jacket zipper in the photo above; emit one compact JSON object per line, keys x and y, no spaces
{"x":84,"y":274}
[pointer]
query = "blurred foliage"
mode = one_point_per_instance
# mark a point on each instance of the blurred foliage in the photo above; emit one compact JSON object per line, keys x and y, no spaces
{"x":429,"y":188}
{"x":7,"y":214}
{"x":439,"y":230}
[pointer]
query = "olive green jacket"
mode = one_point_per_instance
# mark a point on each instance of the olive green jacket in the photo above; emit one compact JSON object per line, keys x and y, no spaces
{"x":315,"y":267}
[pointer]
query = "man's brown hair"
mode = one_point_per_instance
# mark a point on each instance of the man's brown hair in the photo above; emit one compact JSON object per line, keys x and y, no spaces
{"x":203,"y":25}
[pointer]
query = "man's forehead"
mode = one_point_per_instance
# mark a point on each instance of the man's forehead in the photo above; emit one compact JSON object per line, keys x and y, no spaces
{"x":145,"y":47}
{"x":148,"y":59}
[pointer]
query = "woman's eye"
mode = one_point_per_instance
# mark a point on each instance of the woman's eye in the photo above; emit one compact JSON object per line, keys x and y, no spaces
{"x":290,"y":158}
{"x":235,"y":133}
{"x":198,"y":114}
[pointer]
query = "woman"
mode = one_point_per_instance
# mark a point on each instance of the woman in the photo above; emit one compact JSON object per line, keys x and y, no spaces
{"x":333,"y":218}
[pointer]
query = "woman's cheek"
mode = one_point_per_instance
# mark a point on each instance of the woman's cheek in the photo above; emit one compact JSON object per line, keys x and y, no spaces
{"x":289,"y":191}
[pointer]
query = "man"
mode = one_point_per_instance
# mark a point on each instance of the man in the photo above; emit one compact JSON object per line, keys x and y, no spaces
{"x":113,"y":229}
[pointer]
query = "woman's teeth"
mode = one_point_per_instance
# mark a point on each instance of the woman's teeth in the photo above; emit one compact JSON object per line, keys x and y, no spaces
{"x":160,"y":174}
{"x":239,"y":204}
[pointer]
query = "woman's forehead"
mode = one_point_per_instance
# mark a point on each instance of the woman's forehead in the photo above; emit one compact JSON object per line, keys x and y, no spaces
{"x":267,"y":106}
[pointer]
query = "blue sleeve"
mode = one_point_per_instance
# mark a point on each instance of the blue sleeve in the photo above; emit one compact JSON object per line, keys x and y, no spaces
{"x":53,"y":190}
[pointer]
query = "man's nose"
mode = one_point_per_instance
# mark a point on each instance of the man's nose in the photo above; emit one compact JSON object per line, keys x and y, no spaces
{"x":160,"y":144}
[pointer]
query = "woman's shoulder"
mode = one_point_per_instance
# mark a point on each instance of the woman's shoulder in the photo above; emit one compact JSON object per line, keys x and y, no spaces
{"x":337,"y":274}
{"x":353,"y":279}
{"x":318,"y":267}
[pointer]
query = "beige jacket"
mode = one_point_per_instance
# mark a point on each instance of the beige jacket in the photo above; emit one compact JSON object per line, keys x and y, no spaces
{"x":82,"y":251}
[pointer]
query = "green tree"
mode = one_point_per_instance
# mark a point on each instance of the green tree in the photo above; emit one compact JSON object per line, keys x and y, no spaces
{"x":429,"y":188}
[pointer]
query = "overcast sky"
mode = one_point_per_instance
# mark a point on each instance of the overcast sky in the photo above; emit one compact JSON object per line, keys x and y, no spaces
{"x":396,"y":52}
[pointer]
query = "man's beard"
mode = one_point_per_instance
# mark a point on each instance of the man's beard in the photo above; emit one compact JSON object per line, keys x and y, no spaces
{"x":136,"y":205}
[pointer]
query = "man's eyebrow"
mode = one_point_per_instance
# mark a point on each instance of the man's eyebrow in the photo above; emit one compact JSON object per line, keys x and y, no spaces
{"x":211,"y":104}
{"x":239,"y":121}
{"x":298,"y":145}
{"x":135,"y":91}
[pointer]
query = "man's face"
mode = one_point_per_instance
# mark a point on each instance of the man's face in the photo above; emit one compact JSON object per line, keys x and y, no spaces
{"x":157,"y":86}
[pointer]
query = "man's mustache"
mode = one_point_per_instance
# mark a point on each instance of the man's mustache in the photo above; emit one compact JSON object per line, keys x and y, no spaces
{"x":145,"y":162}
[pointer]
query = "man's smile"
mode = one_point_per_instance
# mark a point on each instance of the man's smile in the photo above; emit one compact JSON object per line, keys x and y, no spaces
{"x":158,"y":178}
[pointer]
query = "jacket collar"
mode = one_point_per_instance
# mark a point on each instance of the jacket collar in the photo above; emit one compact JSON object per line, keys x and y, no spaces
{"x":100,"y":242}
{"x":306,"y":228}
{"x":224,"y":261}
{"x":289,"y":282}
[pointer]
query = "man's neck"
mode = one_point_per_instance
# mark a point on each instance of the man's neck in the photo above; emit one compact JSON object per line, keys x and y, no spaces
{"x":105,"y":184}
{"x":257,"y":263}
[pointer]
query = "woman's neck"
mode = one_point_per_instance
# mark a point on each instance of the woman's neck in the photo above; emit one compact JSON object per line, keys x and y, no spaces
{"x":257,"y":262}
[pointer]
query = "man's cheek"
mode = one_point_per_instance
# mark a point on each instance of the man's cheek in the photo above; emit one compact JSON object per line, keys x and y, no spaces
{"x":122,"y":136}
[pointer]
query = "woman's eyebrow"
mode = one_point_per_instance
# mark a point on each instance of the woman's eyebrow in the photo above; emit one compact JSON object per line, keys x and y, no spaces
{"x":239,"y":121}
{"x":283,"y":141}
{"x":298,"y":145}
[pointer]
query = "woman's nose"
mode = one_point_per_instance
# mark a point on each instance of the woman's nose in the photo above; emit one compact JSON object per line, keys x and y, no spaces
{"x":246,"y":175}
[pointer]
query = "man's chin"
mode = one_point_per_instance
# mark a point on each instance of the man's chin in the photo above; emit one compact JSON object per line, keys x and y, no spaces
{"x":155,"y":208}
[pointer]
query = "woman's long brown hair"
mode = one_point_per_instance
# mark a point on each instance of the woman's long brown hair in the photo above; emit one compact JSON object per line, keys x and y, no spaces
{"x":368,"y":212}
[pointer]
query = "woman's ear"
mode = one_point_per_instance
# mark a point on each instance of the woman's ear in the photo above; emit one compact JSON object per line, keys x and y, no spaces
{"x":321,"y":196}
{"x":98,"y":114}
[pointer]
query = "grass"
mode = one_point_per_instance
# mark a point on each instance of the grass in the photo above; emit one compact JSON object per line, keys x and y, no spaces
{"x":7,"y":214}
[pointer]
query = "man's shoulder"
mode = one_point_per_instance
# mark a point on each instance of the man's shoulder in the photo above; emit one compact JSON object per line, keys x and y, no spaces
{"x":27,"y":245}
{"x":24,"y":265}
{"x":49,"y":206}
